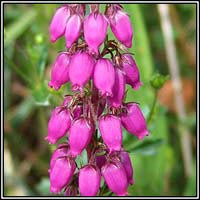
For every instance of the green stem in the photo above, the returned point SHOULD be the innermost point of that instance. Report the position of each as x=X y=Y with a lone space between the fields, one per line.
x=149 y=118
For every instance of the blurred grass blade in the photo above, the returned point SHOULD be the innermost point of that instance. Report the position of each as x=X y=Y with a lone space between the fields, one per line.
x=17 y=28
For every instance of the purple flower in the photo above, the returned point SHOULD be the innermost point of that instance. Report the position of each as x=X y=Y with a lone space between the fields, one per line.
x=80 y=135
x=118 y=89
x=61 y=174
x=95 y=30
x=115 y=178
x=60 y=71
x=89 y=180
x=126 y=162
x=104 y=76
x=58 y=125
x=111 y=131
x=131 y=71
x=80 y=69
x=134 y=121
x=58 y=23
x=73 y=30
x=121 y=27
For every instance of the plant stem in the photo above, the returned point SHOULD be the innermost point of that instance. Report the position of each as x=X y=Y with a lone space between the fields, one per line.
x=153 y=107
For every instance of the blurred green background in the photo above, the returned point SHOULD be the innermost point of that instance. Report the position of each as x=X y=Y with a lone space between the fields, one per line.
x=159 y=168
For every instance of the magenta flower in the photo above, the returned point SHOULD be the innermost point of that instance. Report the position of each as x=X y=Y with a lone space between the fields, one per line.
x=58 y=23
x=89 y=180
x=100 y=161
x=60 y=71
x=131 y=71
x=61 y=174
x=80 y=135
x=104 y=76
x=126 y=162
x=58 y=125
x=61 y=151
x=118 y=89
x=134 y=121
x=121 y=27
x=73 y=30
x=115 y=178
x=95 y=30
x=111 y=131
x=80 y=69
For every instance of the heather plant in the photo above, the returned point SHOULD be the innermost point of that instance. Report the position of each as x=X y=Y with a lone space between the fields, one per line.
x=93 y=116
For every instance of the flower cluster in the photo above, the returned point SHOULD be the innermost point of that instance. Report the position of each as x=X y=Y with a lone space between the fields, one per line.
x=93 y=116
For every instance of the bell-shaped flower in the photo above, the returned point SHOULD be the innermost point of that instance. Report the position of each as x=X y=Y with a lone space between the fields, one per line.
x=73 y=30
x=121 y=27
x=58 y=23
x=115 y=177
x=58 y=125
x=111 y=132
x=134 y=121
x=95 y=30
x=126 y=162
x=104 y=76
x=61 y=174
x=89 y=180
x=80 y=135
x=60 y=71
x=80 y=70
x=131 y=70
x=118 y=89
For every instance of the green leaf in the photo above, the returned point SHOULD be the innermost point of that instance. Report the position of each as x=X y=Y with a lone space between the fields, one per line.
x=146 y=147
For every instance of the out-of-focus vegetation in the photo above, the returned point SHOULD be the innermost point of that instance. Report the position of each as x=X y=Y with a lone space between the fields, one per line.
x=28 y=55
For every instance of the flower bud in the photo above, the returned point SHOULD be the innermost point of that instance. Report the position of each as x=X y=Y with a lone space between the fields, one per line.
x=104 y=76
x=111 y=131
x=73 y=30
x=89 y=180
x=115 y=178
x=95 y=30
x=59 y=152
x=126 y=162
x=80 y=135
x=58 y=125
x=134 y=121
x=60 y=71
x=121 y=27
x=58 y=23
x=131 y=71
x=118 y=89
x=80 y=69
x=61 y=174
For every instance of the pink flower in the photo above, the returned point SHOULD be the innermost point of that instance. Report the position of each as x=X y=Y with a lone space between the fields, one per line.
x=80 y=135
x=95 y=30
x=104 y=76
x=118 y=89
x=115 y=178
x=73 y=30
x=111 y=131
x=58 y=23
x=89 y=180
x=80 y=69
x=121 y=27
x=61 y=174
x=60 y=71
x=58 y=125
x=134 y=121
x=131 y=71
